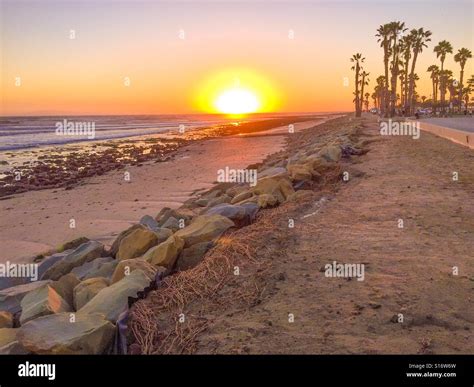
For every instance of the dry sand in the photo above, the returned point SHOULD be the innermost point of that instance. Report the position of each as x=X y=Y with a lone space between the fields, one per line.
x=34 y=222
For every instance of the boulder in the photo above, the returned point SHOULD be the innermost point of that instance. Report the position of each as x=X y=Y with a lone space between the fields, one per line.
x=8 y=281
x=94 y=268
x=6 y=319
x=241 y=215
x=116 y=244
x=13 y=348
x=167 y=213
x=241 y=196
x=231 y=211
x=301 y=172
x=7 y=336
x=202 y=202
x=266 y=200
x=235 y=190
x=331 y=153
x=193 y=255
x=149 y=222
x=10 y=299
x=65 y=287
x=136 y=243
x=57 y=335
x=41 y=302
x=113 y=300
x=219 y=200
x=84 y=253
x=204 y=228
x=279 y=187
x=163 y=234
x=171 y=223
x=87 y=290
x=51 y=260
x=165 y=253
x=126 y=266
x=272 y=172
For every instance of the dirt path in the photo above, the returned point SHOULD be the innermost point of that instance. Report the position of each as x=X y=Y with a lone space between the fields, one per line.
x=408 y=271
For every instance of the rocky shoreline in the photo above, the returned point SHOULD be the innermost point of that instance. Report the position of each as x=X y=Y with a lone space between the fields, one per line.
x=84 y=291
x=66 y=167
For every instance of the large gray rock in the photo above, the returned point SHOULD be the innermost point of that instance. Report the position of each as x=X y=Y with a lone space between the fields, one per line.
x=41 y=302
x=113 y=300
x=51 y=260
x=46 y=263
x=171 y=223
x=192 y=256
x=84 y=253
x=241 y=215
x=167 y=213
x=96 y=268
x=219 y=200
x=272 y=172
x=149 y=222
x=10 y=299
x=204 y=228
x=163 y=234
x=58 y=335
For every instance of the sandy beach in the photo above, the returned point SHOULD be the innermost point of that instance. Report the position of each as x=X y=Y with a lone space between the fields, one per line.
x=37 y=221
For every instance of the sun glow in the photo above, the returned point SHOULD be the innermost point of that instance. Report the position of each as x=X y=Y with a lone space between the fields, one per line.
x=237 y=101
x=236 y=92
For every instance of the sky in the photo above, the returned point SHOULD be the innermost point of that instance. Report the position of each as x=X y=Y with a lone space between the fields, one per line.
x=164 y=57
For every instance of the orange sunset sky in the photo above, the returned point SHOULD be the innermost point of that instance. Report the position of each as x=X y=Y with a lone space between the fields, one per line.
x=178 y=56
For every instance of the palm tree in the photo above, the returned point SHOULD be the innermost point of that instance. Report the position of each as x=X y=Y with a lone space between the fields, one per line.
x=396 y=28
x=442 y=49
x=423 y=99
x=420 y=37
x=462 y=56
x=364 y=82
x=466 y=91
x=383 y=35
x=367 y=95
x=374 y=98
x=445 y=80
x=405 y=47
x=357 y=59
x=434 y=70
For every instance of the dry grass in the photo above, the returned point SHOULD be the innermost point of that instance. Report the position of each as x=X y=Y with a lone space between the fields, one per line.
x=155 y=322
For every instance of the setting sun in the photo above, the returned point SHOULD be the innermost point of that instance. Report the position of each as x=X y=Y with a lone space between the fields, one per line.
x=236 y=91
x=237 y=101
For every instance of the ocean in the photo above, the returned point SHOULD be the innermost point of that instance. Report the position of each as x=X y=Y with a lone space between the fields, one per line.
x=29 y=132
